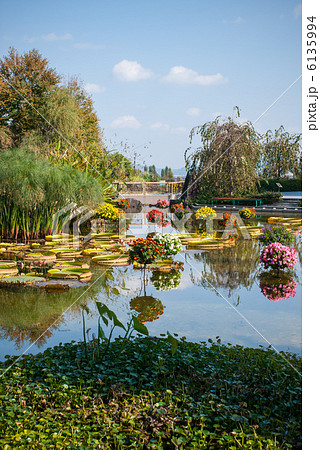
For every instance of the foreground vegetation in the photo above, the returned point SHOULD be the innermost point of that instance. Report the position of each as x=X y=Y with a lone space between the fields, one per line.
x=201 y=396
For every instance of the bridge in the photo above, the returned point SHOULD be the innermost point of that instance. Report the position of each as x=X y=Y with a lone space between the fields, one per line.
x=150 y=192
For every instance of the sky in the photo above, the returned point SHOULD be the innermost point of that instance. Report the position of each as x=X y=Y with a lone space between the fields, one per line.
x=156 y=69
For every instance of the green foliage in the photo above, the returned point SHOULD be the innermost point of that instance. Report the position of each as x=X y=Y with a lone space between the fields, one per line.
x=167 y=174
x=202 y=396
x=276 y=233
x=32 y=191
x=268 y=197
x=226 y=164
x=288 y=185
x=53 y=119
x=281 y=154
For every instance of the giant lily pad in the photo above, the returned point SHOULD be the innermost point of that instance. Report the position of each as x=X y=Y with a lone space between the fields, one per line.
x=20 y=280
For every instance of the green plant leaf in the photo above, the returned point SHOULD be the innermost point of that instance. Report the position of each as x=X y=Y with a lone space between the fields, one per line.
x=140 y=327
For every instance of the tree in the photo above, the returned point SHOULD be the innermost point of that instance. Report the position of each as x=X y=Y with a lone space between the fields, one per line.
x=25 y=81
x=227 y=162
x=281 y=154
x=40 y=112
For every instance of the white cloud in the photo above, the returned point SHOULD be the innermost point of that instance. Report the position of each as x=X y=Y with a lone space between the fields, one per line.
x=54 y=37
x=88 y=46
x=297 y=11
x=183 y=75
x=193 y=111
x=131 y=71
x=160 y=126
x=93 y=88
x=239 y=19
x=178 y=130
x=126 y=122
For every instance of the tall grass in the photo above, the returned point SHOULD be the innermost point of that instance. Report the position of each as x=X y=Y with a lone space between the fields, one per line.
x=32 y=190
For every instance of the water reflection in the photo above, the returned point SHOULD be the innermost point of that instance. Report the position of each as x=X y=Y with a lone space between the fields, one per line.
x=228 y=268
x=31 y=315
x=148 y=307
x=165 y=281
x=277 y=288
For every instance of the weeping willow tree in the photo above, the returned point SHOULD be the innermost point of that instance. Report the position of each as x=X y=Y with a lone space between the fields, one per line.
x=32 y=190
x=226 y=163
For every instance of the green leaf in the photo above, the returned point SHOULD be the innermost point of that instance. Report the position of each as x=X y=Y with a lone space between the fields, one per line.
x=173 y=341
x=140 y=327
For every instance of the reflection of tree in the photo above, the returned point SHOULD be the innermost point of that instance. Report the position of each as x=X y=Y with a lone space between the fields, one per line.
x=277 y=288
x=229 y=268
x=164 y=281
x=29 y=314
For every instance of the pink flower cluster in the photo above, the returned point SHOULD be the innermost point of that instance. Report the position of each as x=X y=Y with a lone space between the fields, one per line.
x=276 y=292
x=278 y=256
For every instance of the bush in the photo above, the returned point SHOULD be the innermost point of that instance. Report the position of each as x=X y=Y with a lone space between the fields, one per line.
x=288 y=185
x=145 y=251
x=268 y=197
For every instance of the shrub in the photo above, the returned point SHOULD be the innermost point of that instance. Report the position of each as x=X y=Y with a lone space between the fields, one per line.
x=268 y=197
x=276 y=233
x=278 y=256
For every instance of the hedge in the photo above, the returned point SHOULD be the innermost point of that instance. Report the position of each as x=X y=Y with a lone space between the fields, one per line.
x=288 y=184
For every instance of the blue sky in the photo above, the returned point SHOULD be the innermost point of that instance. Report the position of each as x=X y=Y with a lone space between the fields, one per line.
x=155 y=69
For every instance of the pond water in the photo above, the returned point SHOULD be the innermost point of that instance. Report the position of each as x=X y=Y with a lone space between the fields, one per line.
x=220 y=294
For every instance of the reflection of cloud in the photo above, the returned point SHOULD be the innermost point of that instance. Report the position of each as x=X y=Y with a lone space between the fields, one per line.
x=131 y=71
x=126 y=122
x=183 y=75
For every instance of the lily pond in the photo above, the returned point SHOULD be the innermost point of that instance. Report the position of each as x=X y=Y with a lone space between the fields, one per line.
x=220 y=293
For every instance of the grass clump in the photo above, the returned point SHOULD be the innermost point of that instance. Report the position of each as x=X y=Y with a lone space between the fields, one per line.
x=202 y=396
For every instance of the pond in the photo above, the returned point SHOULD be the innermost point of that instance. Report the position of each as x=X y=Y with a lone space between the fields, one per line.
x=219 y=294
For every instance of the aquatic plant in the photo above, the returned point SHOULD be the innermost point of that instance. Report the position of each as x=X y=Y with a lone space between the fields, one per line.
x=32 y=190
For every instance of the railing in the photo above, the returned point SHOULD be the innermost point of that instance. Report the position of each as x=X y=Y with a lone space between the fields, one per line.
x=139 y=187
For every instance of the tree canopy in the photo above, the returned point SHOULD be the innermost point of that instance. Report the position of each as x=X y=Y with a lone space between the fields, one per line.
x=53 y=118
x=281 y=154
x=226 y=163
